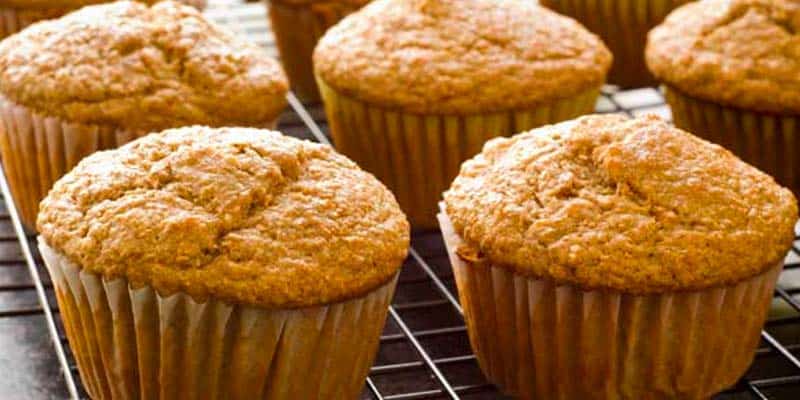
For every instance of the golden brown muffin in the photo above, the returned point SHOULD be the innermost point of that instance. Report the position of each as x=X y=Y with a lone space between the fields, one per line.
x=17 y=14
x=623 y=26
x=460 y=73
x=244 y=220
x=108 y=73
x=603 y=223
x=732 y=75
x=298 y=25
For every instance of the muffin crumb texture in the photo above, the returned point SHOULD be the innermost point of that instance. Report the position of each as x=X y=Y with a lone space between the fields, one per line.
x=141 y=67
x=457 y=57
x=740 y=53
x=607 y=202
x=242 y=215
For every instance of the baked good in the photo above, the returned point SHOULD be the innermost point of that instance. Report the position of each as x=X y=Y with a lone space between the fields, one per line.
x=298 y=25
x=219 y=263
x=105 y=74
x=622 y=251
x=623 y=25
x=731 y=73
x=17 y=14
x=414 y=87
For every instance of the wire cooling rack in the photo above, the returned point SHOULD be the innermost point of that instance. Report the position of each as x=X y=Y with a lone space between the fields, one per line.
x=424 y=352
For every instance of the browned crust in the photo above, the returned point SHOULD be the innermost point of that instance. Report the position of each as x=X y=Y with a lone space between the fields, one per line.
x=242 y=215
x=740 y=53
x=136 y=66
x=632 y=205
x=458 y=57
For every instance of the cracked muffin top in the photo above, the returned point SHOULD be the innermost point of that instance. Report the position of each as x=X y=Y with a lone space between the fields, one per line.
x=740 y=53
x=460 y=57
x=244 y=215
x=141 y=67
x=73 y=4
x=607 y=202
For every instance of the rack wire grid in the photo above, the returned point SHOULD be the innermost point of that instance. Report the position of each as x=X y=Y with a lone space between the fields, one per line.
x=424 y=352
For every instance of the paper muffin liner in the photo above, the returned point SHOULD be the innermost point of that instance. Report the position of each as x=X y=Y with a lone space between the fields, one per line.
x=767 y=141
x=297 y=29
x=133 y=343
x=539 y=340
x=623 y=26
x=13 y=20
x=418 y=156
x=37 y=150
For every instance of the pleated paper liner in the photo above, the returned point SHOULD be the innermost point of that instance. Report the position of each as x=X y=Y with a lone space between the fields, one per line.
x=418 y=156
x=623 y=26
x=37 y=150
x=767 y=141
x=297 y=29
x=13 y=20
x=133 y=343
x=539 y=340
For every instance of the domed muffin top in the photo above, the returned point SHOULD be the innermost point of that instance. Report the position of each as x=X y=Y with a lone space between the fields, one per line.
x=141 y=67
x=607 y=202
x=740 y=53
x=243 y=215
x=72 y=4
x=459 y=57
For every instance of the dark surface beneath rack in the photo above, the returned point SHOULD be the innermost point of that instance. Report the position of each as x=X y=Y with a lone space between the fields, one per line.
x=425 y=352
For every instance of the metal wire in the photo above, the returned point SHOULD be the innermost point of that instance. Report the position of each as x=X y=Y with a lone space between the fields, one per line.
x=437 y=372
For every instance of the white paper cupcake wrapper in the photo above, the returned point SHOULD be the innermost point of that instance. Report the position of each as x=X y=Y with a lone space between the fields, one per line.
x=418 y=156
x=539 y=340
x=133 y=343
x=623 y=26
x=297 y=28
x=37 y=150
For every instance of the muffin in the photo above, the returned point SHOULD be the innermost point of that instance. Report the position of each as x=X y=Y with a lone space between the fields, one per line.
x=623 y=26
x=414 y=87
x=731 y=73
x=611 y=258
x=17 y=14
x=106 y=74
x=222 y=263
x=298 y=25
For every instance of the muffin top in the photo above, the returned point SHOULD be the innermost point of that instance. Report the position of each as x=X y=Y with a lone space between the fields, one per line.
x=244 y=215
x=607 y=202
x=740 y=53
x=32 y=4
x=459 y=57
x=136 y=66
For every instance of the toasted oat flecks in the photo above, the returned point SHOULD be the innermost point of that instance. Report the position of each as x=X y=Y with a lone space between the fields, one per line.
x=244 y=215
x=627 y=204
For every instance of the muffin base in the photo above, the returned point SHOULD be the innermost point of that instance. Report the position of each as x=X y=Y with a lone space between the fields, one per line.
x=297 y=28
x=13 y=20
x=133 y=343
x=37 y=150
x=539 y=340
x=767 y=141
x=418 y=156
x=623 y=26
